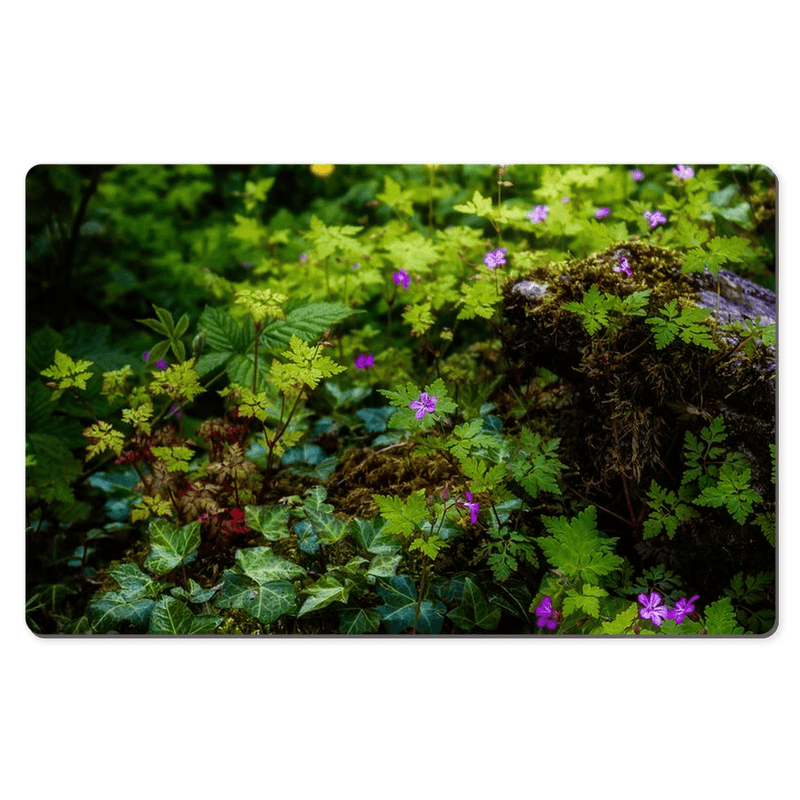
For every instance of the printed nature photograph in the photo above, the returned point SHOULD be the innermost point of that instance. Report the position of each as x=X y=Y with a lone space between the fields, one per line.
x=401 y=400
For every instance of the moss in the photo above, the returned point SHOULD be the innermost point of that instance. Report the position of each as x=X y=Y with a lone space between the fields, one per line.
x=363 y=472
x=626 y=406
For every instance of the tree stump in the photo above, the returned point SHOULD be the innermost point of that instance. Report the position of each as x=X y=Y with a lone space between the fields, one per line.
x=623 y=408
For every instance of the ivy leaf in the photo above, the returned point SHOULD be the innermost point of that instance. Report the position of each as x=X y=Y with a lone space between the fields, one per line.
x=171 y=546
x=399 y=610
x=170 y=616
x=323 y=592
x=474 y=609
x=359 y=620
x=265 y=602
x=384 y=566
x=262 y=565
x=107 y=611
x=270 y=521
x=374 y=538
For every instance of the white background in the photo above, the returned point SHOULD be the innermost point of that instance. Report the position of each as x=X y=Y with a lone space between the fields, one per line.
x=350 y=82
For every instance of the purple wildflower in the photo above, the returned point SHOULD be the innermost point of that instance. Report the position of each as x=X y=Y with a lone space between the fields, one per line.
x=425 y=405
x=652 y=610
x=473 y=508
x=565 y=199
x=602 y=212
x=683 y=172
x=654 y=218
x=495 y=258
x=538 y=214
x=356 y=265
x=546 y=615
x=175 y=411
x=682 y=608
x=365 y=361
x=162 y=364
x=304 y=257
x=637 y=175
x=401 y=278
x=624 y=266
x=246 y=264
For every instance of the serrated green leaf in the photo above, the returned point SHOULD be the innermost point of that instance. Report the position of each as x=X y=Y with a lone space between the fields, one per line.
x=402 y=517
x=720 y=618
x=308 y=322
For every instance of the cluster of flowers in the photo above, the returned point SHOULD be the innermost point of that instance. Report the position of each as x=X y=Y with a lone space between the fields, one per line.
x=656 y=612
x=365 y=361
x=548 y=617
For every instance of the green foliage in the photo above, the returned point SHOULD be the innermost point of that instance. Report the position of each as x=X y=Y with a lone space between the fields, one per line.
x=402 y=517
x=720 y=618
x=690 y=325
x=535 y=464
x=171 y=546
x=104 y=438
x=67 y=373
x=171 y=331
x=474 y=610
x=505 y=550
x=305 y=367
x=702 y=456
x=720 y=250
x=599 y=310
x=667 y=510
x=731 y=490
x=400 y=609
x=263 y=458
x=576 y=548
x=404 y=418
